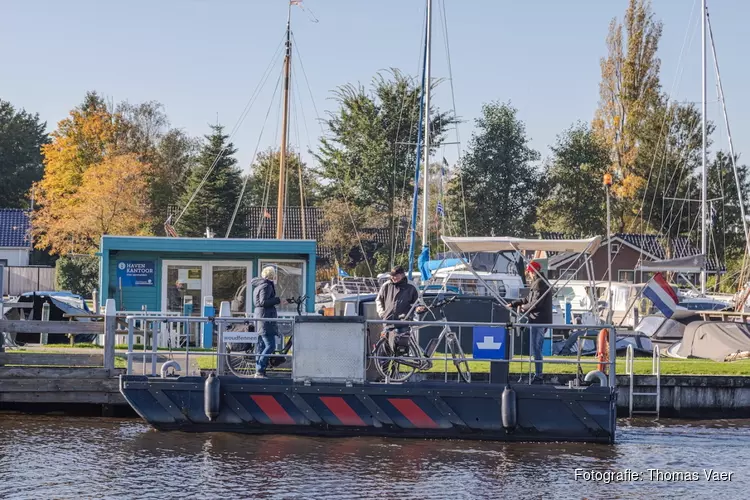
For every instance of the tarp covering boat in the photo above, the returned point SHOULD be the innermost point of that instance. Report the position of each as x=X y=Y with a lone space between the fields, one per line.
x=719 y=341
x=672 y=329
x=61 y=304
x=690 y=264
x=509 y=244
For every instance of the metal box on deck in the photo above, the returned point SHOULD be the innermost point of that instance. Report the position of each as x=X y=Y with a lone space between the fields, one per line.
x=329 y=349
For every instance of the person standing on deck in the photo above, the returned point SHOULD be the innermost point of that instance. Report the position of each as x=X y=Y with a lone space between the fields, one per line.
x=396 y=297
x=538 y=309
x=265 y=299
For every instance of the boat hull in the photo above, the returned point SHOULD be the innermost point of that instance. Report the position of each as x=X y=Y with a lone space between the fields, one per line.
x=418 y=410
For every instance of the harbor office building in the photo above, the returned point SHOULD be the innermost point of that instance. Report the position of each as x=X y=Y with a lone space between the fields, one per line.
x=185 y=275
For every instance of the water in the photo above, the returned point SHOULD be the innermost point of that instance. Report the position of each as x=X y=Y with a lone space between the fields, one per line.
x=76 y=458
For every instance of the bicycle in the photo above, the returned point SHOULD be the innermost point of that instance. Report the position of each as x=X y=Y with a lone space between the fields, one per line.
x=242 y=363
x=398 y=355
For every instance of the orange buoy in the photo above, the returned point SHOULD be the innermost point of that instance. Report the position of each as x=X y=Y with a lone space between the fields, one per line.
x=602 y=350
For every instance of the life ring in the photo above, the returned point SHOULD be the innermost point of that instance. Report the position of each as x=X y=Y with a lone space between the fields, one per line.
x=602 y=350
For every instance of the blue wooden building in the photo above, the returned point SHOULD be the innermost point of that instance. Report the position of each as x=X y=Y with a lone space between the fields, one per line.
x=164 y=274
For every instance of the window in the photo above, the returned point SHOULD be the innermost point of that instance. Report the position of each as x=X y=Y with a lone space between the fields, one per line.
x=626 y=276
x=615 y=248
x=290 y=281
x=4 y=262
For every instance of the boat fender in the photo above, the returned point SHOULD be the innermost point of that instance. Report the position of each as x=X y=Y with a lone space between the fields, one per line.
x=212 y=396
x=508 y=408
x=602 y=350
x=598 y=375
x=169 y=364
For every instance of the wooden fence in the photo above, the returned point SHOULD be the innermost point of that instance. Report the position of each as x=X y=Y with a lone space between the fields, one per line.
x=106 y=327
x=23 y=279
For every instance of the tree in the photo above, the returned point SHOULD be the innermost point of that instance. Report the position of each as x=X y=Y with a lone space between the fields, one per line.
x=344 y=228
x=727 y=236
x=629 y=92
x=575 y=201
x=369 y=155
x=263 y=185
x=112 y=199
x=670 y=155
x=499 y=180
x=84 y=139
x=212 y=190
x=21 y=137
x=147 y=133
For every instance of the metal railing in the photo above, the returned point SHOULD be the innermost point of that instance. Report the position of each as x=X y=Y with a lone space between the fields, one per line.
x=513 y=330
x=655 y=371
x=152 y=325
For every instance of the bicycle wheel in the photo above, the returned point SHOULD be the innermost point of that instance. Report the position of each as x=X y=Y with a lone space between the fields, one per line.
x=391 y=369
x=459 y=359
x=241 y=359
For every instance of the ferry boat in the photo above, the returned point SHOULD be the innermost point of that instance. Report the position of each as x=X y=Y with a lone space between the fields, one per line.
x=331 y=392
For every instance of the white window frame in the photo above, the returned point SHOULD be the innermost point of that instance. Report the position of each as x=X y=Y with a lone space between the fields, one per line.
x=619 y=276
x=265 y=262
x=206 y=277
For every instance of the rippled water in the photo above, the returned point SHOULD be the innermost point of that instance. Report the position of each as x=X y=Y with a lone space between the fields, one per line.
x=64 y=457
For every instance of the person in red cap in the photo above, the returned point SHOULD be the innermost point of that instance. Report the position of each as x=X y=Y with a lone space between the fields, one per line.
x=537 y=306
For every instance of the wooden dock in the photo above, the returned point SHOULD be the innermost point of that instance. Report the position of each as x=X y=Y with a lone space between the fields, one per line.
x=35 y=379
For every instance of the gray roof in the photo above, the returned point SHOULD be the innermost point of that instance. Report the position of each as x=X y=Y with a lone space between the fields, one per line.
x=14 y=228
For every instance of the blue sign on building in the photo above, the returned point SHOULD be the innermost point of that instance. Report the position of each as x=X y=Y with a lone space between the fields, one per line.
x=136 y=273
x=489 y=342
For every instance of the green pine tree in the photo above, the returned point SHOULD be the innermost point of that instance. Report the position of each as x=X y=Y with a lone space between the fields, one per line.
x=214 y=202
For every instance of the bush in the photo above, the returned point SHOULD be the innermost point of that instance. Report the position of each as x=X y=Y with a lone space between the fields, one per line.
x=78 y=274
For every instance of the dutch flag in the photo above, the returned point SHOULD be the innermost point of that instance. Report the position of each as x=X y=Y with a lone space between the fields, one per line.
x=439 y=209
x=662 y=295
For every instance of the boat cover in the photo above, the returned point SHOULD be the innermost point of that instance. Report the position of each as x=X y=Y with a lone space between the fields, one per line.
x=716 y=340
x=509 y=244
x=690 y=264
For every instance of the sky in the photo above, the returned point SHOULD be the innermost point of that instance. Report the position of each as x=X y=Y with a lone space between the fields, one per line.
x=203 y=59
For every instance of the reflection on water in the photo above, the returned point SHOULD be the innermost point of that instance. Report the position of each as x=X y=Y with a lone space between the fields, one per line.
x=61 y=457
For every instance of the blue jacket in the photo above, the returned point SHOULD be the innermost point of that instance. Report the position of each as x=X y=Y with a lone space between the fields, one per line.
x=265 y=300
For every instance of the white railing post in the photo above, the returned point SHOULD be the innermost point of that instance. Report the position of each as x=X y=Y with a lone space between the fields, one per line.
x=110 y=325
x=225 y=311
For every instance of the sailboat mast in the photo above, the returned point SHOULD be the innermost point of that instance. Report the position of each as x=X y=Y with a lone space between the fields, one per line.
x=426 y=83
x=281 y=200
x=704 y=186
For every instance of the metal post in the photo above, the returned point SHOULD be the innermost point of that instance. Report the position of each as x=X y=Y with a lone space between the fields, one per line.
x=131 y=323
x=704 y=183
x=43 y=337
x=426 y=83
x=154 y=345
x=110 y=324
x=610 y=309
x=225 y=311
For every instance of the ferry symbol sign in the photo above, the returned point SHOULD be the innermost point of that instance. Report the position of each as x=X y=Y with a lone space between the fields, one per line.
x=489 y=342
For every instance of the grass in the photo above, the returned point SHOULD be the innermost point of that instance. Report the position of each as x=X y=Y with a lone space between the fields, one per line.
x=642 y=366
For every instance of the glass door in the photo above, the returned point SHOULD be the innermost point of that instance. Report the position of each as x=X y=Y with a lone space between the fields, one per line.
x=290 y=282
x=184 y=286
x=229 y=282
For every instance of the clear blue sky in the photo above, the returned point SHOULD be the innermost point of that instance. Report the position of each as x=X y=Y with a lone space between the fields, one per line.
x=203 y=57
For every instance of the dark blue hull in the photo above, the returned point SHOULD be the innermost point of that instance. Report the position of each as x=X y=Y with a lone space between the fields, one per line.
x=414 y=410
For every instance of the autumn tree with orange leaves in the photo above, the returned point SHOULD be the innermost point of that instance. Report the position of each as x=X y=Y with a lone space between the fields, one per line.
x=91 y=184
x=629 y=94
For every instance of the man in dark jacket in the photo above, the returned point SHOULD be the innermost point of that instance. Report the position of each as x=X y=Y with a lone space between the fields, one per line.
x=538 y=309
x=265 y=300
x=396 y=297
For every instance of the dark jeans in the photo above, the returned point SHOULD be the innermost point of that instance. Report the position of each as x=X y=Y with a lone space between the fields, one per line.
x=266 y=346
x=537 y=341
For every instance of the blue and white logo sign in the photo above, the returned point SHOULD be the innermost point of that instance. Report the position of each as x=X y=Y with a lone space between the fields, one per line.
x=489 y=342
x=136 y=273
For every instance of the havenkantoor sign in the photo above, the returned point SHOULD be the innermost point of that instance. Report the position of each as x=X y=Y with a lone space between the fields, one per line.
x=136 y=272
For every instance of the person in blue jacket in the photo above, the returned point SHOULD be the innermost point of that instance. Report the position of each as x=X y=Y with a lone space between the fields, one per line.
x=265 y=300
